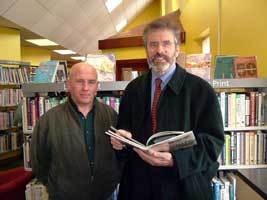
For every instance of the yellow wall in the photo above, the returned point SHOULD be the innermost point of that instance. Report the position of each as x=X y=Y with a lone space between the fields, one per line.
x=149 y=14
x=244 y=30
x=9 y=44
x=34 y=55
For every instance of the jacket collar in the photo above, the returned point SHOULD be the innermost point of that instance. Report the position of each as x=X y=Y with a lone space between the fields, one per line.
x=177 y=80
x=175 y=84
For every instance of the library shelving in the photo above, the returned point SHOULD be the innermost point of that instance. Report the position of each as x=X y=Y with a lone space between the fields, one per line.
x=42 y=94
x=12 y=75
x=246 y=135
x=30 y=90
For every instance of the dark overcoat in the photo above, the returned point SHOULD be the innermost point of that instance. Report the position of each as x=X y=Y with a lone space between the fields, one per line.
x=186 y=103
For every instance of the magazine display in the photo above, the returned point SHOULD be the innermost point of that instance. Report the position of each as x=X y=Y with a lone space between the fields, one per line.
x=165 y=141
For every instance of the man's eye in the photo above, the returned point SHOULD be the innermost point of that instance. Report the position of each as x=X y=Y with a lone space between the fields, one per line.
x=91 y=82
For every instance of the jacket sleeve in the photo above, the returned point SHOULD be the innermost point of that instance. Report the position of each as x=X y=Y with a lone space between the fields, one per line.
x=207 y=126
x=40 y=150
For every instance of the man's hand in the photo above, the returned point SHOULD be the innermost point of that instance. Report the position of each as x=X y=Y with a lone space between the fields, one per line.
x=154 y=158
x=116 y=144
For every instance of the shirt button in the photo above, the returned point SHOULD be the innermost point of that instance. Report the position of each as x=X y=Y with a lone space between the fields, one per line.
x=89 y=147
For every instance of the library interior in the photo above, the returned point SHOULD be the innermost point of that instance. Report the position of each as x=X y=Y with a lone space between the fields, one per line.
x=222 y=42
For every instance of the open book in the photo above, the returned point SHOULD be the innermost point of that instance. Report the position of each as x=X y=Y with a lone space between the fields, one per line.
x=162 y=141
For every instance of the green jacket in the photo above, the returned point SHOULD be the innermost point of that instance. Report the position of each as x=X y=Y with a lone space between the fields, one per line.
x=59 y=156
x=187 y=103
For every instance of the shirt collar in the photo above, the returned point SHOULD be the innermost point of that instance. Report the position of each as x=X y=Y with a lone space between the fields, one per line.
x=73 y=104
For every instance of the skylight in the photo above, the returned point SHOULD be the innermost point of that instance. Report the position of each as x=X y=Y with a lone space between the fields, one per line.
x=121 y=25
x=112 y=4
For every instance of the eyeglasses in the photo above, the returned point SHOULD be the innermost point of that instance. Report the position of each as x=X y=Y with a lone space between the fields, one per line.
x=164 y=44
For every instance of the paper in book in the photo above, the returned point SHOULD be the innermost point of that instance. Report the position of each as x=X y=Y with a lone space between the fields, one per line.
x=165 y=141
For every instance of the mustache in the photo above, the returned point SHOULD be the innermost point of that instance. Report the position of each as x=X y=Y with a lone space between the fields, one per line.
x=160 y=56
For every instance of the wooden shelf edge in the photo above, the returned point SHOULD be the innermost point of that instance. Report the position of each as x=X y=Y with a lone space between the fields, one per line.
x=10 y=154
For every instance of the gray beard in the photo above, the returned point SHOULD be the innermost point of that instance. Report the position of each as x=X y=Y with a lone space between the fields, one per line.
x=161 y=69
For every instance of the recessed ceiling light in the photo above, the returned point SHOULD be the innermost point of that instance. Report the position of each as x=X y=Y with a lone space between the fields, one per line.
x=112 y=4
x=42 y=42
x=64 y=52
x=78 y=58
x=121 y=25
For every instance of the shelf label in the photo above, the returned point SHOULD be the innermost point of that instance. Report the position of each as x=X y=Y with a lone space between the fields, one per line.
x=220 y=83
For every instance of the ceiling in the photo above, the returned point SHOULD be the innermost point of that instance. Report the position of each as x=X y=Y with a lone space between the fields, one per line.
x=76 y=25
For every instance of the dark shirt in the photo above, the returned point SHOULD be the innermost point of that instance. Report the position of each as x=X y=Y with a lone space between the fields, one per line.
x=89 y=135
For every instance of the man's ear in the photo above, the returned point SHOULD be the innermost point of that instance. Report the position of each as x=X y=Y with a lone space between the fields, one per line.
x=67 y=85
x=177 y=51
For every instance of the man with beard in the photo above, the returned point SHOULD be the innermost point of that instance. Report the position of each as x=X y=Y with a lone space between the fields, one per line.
x=167 y=98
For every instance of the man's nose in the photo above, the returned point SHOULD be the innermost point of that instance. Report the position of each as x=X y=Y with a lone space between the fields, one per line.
x=160 y=48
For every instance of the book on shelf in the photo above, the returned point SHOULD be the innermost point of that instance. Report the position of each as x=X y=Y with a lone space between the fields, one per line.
x=162 y=141
x=46 y=72
x=245 y=67
x=62 y=72
x=105 y=65
x=198 y=64
x=224 y=67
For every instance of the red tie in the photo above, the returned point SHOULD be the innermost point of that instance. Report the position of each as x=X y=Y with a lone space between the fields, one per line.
x=155 y=104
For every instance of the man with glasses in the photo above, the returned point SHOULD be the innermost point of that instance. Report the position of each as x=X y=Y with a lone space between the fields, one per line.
x=70 y=152
x=167 y=98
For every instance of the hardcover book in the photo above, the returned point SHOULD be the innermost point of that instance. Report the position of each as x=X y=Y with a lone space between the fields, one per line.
x=105 y=65
x=46 y=72
x=224 y=67
x=245 y=67
x=165 y=141
x=198 y=64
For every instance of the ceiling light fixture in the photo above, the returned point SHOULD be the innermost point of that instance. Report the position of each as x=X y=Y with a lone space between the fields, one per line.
x=42 y=42
x=78 y=58
x=64 y=52
x=112 y=4
x=121 y=25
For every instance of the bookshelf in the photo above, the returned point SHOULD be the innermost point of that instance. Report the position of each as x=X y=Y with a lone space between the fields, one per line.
x=12 y=75
x=31 y=89
x=244 y=86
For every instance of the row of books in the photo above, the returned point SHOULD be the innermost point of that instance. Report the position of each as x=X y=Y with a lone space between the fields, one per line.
x=50 y=72
x=10 y=141
x=35 y=190
x=10 y=97
x=230 y=66
x=34 y=107
x=242 y=109
x=7 y=119
x=224 y=187
x=10 y=75
x=226 y=66
x=114 y=102
x=244 y=148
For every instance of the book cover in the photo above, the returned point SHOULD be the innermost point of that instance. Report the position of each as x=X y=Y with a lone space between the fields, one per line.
x=105 y=65
x=46 y=72
x=62 y=72
x=198 y=64
x=245 y=67
x=224 y=67
x=165 y=141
